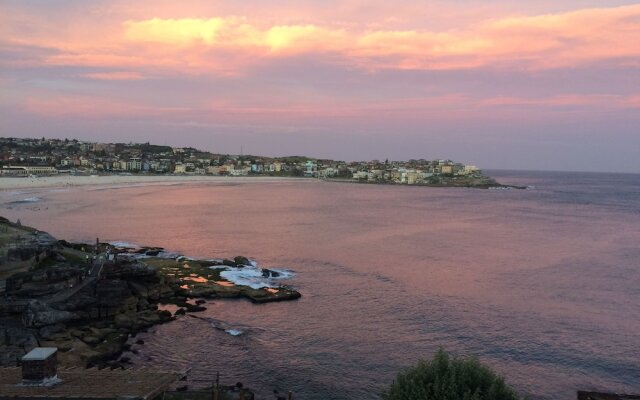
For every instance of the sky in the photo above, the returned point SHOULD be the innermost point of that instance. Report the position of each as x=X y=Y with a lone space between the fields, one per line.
x=518 y=84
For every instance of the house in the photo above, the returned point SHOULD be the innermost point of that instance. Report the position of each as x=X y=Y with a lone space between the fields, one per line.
x=446 y=169
x=180 y=168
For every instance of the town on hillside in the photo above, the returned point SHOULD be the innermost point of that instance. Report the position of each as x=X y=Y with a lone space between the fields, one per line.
x=41 y=157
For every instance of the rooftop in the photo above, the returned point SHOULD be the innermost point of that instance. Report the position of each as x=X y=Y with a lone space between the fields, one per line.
x=39 y=353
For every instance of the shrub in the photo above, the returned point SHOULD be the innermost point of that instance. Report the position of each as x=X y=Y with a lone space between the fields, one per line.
x=446 y=378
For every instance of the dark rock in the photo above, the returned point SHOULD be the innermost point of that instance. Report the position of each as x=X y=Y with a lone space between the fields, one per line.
x=18 y=337
x=91 y=340
x=229 y=263
x=200 y=301
x=195 y=308
x=180 y=311
x=48 y=331
x=140 y=341
x=165 y=316
x=39 y=314
x=268 y=273
x=240 y=260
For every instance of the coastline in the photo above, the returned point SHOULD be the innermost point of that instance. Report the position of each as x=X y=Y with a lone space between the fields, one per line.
x=10 y=183
x=61 y=181
x=90 y=300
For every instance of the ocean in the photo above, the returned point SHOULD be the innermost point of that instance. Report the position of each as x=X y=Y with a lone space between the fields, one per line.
x=542 y=284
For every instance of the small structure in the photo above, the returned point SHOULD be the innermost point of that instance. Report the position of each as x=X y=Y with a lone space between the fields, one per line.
x=39 y=378
x=39 y=367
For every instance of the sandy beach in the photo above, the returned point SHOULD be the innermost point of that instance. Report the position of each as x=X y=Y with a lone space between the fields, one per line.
x=75 y=180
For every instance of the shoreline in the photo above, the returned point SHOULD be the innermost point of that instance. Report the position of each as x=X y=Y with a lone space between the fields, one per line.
x=11 y=183
x=90 y=300
x=62 y=181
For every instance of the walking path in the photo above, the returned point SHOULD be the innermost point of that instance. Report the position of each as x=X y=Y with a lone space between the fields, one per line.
x=94 y=274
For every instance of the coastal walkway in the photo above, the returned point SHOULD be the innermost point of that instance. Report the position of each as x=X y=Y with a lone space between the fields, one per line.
x=94 y=274
x=9 y=305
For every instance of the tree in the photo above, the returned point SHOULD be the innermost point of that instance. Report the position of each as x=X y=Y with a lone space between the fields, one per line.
x=446 y=378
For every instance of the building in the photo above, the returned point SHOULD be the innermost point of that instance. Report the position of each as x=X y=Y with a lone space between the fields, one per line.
x=180 y=169
x=310 y=169
x=134 y=164
x=9 y=170
x=446 y=169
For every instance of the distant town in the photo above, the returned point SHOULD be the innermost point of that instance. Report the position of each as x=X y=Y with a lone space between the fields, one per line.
x=23 y=157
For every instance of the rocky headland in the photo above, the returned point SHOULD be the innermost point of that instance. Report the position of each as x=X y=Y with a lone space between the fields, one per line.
x=90 y=300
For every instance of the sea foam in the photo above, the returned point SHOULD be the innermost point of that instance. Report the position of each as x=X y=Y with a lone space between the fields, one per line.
x=252 y=276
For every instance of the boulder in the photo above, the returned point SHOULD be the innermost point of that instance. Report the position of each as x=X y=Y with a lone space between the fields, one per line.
x=18 y=337
x=268 y=273
x=165 y=316
x=195 y=308
x=49 y=331
x=241 y=260
x=38 y=314
x=91 y=340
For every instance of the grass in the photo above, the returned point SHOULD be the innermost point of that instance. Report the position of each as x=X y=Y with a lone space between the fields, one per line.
x=186 y=269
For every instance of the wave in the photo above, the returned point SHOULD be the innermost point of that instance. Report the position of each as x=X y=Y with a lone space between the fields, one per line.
x=27 y=200
x=125 y=245
x=256 y=277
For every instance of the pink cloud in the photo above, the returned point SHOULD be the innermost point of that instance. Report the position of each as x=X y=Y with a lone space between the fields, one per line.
x=116 y=76
x=565 y=100
x=80 y=106
x=230 y=44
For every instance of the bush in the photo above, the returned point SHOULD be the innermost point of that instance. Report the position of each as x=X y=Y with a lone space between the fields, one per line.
x=445 y=378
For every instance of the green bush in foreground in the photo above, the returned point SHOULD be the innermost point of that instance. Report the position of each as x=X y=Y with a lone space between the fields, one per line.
x=445 y=378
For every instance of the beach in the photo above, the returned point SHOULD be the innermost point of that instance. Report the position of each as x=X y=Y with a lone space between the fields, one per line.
x=87 y=180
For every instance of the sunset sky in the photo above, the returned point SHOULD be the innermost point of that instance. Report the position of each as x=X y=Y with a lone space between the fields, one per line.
x=528 y=84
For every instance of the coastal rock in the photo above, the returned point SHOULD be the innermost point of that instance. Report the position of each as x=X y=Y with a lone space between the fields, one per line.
x=268 y=273
x=49 y=331
x=195 y=308
x=101 y=333
x=165 y=316
x=17 y=337
x=129 y=271
x=229 y=263
x=80 y=301
x=153 y=251
x=38 y=314
x=91 y=340
x=241 y=260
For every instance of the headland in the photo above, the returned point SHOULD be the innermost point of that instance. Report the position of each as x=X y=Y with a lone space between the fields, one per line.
x=89 y=300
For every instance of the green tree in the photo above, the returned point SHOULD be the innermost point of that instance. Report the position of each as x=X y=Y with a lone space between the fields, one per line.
x=446 y=378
